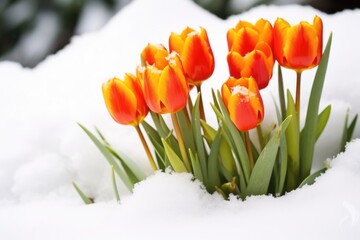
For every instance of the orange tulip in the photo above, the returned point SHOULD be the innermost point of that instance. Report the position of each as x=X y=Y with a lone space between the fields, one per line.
x=195 y=52
x=166 y=90
x=155 y=55
x=244 y=102
x=245 y=36
x=250 y=51
x=298 y=47
x=124 y=100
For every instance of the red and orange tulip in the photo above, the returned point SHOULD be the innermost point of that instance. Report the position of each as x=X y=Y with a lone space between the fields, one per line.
x=195 y=52
x=298 y=47
x=166 y=90
x=124 y=100
x=155 y=55
x=243 y=101
x=250 y=51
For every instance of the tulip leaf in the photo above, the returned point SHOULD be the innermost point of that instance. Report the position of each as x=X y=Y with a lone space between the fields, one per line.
x=113 y=179
x=237 y=140
x=196 y=166
x=261 y=173
x=323 y=118
x=173 y=158
x=292 y=138
x=213 y=167
x=282 y=162
x=347 y=131
x=109 y=157
x=85 y=198
x=308 y=135
x=281 y=93
x=164 y=131
x=185 y=128
x=132 y=171
x=226 y=159
x=156 y=142
x=309 y=180
x=199 y=141
x=351 y=128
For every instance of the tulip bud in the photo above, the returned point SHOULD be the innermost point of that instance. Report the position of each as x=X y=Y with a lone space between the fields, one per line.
x=124 y=100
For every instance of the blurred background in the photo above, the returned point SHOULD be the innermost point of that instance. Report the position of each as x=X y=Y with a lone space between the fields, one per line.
x=32 y=29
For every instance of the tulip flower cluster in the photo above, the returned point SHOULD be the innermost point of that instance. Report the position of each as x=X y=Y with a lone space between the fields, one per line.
x=224 y=158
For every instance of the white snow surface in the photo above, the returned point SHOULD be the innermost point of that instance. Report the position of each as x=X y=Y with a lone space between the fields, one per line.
x=42 y=149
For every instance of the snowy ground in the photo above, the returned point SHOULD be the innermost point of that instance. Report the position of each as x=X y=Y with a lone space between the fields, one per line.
x=42 y=149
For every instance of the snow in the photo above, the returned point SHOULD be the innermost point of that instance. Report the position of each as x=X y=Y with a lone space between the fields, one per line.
x=42 y=149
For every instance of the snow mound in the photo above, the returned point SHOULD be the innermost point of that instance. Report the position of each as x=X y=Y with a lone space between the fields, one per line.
x=42 y=149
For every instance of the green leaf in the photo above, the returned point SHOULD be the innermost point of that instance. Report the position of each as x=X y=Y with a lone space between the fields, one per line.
x=351 y=128
x=134 y=173
x=282 y=163
x=156 y=142
x=347 y=131
x=113 y=179
x=311 y=178
x=185 y=128
x=196 y=166
x=164 y=131
x=236 y=140
x=85 y=198
x=174 y=159
x=199 y=141
x=213 y=167
x=281 y=93
x=261 y=174
x=323 y=118
x=293 y=145
x=108 y=156
x=308 y=136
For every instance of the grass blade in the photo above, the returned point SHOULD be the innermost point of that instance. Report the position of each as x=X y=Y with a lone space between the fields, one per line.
x=85 y=198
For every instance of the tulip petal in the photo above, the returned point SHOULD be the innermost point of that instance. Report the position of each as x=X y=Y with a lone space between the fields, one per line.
x=151 y=82
x=197 y=58
x=245 y=40
x=176 y=43
x=120 y=101
x=281 y=28
x=172 y=89
x=301 y=46
x=235 y=64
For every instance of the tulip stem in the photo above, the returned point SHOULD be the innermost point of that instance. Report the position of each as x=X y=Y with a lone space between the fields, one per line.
x=298 y=90
x=146 y=147
x=181 y=141
x=201 y=105
x=248 y=149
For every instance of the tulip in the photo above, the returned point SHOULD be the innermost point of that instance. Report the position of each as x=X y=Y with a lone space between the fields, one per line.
x=298 y=47
x=245 y=36
x=243 y=101
x=124 y=100
x=166 y=90
x=195 y=52
x=155 y=55
x=258 y=63
x=250 y=51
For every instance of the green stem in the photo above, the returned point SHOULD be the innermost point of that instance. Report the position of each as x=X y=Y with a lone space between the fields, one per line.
x=146 y=147
x=298 y=90
x=181 y=141
x=201 y=105
x=248 y=149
